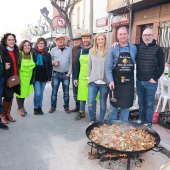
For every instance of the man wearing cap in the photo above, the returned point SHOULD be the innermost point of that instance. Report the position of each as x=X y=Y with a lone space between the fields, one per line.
x=62 y=68
x=77 y=45
x=80 y=73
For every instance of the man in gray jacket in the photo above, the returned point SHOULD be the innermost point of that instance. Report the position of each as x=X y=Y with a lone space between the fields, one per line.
x=62 y=68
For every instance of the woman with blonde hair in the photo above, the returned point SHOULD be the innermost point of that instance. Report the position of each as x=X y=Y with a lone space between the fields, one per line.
x=97 y=76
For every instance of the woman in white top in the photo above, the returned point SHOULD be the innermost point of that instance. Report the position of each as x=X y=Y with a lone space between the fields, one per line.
x=97 y=76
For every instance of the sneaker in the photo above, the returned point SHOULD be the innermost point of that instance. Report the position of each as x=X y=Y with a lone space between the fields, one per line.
x=147 y=125
x=140 y=121
x=67 y=110
x=21 y=112
x=40 y=112
x=91 y=122
x=3 y=126
x=80 y=115
x=51 y=110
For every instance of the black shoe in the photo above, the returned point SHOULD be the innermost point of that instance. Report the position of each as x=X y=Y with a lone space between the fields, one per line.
x=36 y=111
x=3 y=126
x=40 y=112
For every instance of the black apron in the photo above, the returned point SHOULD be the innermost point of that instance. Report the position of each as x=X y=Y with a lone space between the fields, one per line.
x=123 y=74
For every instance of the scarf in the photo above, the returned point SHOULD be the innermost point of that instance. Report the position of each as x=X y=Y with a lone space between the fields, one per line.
x=40 y=51
x=9 y=48
x=39 y=61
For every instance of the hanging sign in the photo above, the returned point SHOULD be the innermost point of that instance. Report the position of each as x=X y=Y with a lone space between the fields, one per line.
x=121 y=20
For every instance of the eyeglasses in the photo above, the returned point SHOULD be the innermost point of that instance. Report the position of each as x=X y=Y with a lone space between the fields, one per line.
x=10 y=40
x=41 y=43
x=147 y=35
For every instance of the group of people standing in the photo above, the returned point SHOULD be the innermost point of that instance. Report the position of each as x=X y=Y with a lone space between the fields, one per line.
x=150 y=63
x=96 y=71
x=99 y=71
x=34 y=69
x=90 y=76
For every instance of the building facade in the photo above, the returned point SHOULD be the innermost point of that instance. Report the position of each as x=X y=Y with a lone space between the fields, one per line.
x=142 y=14
x=77 y=17
x=100 y=16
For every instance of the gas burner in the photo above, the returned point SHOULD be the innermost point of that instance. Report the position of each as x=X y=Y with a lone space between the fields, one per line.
x=110 y=160
x=119 y=162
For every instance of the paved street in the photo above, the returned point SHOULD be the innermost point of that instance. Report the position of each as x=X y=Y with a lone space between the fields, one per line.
x=54 y=141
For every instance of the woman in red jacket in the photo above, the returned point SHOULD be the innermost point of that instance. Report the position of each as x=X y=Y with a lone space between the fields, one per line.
x=10 y=55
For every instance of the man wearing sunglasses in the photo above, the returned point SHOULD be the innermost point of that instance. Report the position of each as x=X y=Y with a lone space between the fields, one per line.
x=150 y=63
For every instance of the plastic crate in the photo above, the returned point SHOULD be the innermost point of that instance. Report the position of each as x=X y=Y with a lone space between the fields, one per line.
x=163 y=116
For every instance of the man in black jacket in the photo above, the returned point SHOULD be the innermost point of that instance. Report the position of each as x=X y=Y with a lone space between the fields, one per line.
x=150 y=64
x=77 y=46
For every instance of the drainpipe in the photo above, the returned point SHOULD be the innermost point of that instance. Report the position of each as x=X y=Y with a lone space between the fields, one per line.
x=108 y=28
x=91 y=17
x=130 y=25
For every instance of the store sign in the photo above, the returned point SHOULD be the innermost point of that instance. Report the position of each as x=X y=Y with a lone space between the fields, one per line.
x=101 y=22
x=61 y=22
x=121 y=20
x=61 y=30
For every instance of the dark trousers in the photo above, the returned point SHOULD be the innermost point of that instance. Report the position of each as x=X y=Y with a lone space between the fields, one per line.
x=75 y=89
x=1 y=91
x=20 y=102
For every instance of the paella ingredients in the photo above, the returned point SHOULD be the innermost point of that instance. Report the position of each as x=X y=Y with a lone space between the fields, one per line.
x=122 y=137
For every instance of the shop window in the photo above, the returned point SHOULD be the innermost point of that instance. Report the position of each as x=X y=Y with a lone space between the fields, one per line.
x=164 y=31
x=78 y=18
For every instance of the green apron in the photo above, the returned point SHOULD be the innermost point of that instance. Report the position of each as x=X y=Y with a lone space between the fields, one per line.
x=82 y=81
x=25 y=74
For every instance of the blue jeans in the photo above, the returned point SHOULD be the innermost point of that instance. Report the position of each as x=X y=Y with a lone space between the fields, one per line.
x=124 y=113
x=82 y=106
x=1 y=91
x=93 y=90
x=75 y=89
x=56 y=79
x=146 y=100
x=38 y=93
